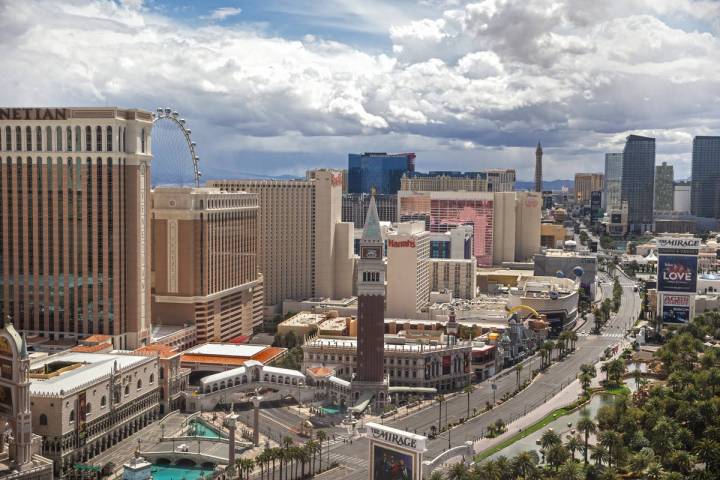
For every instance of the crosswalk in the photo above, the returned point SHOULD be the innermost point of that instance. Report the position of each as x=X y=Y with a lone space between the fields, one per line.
x=348 y=460
x=613 y=335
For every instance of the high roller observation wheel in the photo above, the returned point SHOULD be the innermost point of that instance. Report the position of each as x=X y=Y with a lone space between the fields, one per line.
x=168 y=114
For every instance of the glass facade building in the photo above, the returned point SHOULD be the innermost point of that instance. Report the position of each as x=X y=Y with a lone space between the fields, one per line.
x=613 y=180
x=705 y=189
x=381 y=171
x=664 y=187
x=638 y=180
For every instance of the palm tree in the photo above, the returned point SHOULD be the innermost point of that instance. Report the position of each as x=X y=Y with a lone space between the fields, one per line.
x=468 y=390
x=525 y=465
x=549 y=438
x=261 y=460
x=556 y=455
x=436 y=475
x=518 y=371
x=548 y=346
x=322 y=436
x=611 y=440
x=312 y=447
x=273 y=456
x=459 y=471
x=589 y=369
x=440 y=399
x=599 y=454
x=585 y=381
x=573 y=444
x=587 y=426
x=304 y=457
x=707 y=451
x=573 y=337
x=654 y=471
x=570 y=470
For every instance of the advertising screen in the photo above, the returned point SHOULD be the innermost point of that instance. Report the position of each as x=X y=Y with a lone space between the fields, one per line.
x=677 y=273
x=676 y=309
x=390 y=464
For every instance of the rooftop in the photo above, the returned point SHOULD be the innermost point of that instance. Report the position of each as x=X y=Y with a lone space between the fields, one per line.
x=227 y=349
x=305 y=318
x=163 y=351
x=93 y=367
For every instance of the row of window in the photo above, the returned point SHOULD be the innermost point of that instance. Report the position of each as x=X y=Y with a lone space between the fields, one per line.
x=35 y=139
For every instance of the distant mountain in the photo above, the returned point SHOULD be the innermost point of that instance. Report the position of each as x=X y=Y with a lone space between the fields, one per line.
x=257 y=176
x=547 y=185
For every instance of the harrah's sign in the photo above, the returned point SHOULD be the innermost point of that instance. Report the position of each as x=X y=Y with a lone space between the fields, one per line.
x=401 y=243
x=33 y=114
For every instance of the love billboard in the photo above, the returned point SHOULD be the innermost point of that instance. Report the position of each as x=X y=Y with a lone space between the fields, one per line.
x=677 y=273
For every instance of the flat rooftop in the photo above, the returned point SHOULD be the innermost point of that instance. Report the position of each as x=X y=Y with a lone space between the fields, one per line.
x=231 y=354
x=304 y=318
x=93 y=367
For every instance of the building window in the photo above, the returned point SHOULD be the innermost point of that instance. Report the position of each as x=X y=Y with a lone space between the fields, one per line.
x=68 y=133
x=48 y=139
x=127 y=389
x=109 y=139
x=43 y=419
x=18 y=138
x=72 y=416
x=103 y=401
x=88 y=407
x=142 y=140
x=78 y=141
x=38 y=139
x=8 y=139
x=58 y=139
x=28 y=139
x=152 y=378
x=162 y=373
x=98 y=138
x=88 y=139
x=139 y=384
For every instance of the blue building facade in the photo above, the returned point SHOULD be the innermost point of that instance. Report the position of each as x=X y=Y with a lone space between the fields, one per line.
x=381 y=171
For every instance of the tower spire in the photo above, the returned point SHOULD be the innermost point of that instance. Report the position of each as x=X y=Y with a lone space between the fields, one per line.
x=538 y=167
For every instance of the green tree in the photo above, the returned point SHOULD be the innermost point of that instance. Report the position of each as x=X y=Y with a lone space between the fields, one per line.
x=587 y=427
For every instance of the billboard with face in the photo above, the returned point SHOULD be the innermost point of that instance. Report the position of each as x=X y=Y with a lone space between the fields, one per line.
x=391 y=464
x=677 y=273
x=676 y=309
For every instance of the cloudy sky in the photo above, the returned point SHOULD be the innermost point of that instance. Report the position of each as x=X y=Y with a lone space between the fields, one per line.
x=277 y=86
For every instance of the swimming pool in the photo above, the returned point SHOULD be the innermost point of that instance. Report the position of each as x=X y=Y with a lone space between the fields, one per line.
x=201 y=429
x=332 y=409
x=173 y=472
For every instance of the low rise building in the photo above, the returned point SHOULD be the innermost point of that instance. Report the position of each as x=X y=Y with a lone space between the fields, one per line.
x=554 y=298
x=553 y=235
x=216 y=357
x=574 y=265
x=458 y=276
x=173 y=378
x=84 y=403
x=445 y=366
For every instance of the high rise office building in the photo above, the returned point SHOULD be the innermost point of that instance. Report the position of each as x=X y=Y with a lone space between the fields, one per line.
x=664 y=187
x=304 y=249
x=638 y=179
x=205 y=270
x=538 y=168
x=705 y=188
x=585 y=184
x=613 y=181
x=75 y=231
x=380 y=172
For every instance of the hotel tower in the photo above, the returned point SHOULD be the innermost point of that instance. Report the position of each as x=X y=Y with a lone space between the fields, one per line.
x=74 y=231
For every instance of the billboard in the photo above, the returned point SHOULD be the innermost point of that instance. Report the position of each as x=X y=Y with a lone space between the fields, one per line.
x=676 y=309
x=677 y=273
x=391 y=464
x=394 y=454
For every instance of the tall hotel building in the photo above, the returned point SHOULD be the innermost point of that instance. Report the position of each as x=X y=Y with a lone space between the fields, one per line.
x=205 y=270
x=705 y=190
x=613 y=181
x=638 y=180
x=74 y=235
x=506 y=225
x=304 y=249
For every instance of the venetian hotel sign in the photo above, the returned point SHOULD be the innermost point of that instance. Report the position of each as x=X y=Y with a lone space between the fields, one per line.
x=33 y=113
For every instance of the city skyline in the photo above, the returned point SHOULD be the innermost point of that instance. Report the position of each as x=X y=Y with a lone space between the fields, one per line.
x=271 y=89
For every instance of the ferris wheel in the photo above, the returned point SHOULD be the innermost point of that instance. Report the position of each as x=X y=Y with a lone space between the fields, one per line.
x=175 y=161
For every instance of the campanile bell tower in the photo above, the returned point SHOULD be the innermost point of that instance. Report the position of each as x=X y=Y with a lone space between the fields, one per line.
x=369 y=381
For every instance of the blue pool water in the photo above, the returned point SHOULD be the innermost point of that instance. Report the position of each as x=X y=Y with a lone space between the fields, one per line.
x=200 y=429
x=332 y=409
x=172 y=472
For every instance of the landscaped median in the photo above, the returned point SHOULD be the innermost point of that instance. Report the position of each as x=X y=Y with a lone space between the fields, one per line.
x=548 y=419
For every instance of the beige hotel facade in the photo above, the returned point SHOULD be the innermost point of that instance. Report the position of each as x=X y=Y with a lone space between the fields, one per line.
x=74 y=231
x=305 y=250
x=205 y=269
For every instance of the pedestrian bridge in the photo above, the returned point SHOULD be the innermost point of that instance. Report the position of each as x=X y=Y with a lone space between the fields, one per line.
x=234 y=385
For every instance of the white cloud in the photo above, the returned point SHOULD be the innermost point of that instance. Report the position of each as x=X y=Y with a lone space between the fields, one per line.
x=223 y=13
x=484 y=80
